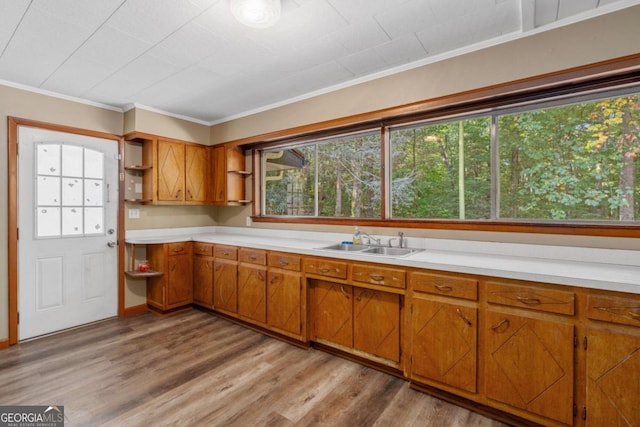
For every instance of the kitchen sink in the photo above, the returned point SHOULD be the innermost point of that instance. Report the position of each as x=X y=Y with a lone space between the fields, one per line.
x=384 y=250
x=346 y=247
x=372 y=250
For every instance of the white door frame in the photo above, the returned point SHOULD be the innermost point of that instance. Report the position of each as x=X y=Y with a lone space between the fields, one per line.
x=13 y=234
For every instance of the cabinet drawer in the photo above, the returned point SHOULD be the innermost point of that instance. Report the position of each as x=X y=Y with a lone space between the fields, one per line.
x=378 y=275
x=204 y=249
x=252 y=256
x=182 y=248
x=442 y=284
x=625 y=311
x=225 y=252
x=327 y=268
x=531 y=297
x=284 y=261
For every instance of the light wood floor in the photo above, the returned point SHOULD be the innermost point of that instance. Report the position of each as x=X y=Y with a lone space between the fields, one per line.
x=192 y=368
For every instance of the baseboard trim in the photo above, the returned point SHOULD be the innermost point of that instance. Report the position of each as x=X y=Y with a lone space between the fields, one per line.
x=4 y=344
x=136 y=309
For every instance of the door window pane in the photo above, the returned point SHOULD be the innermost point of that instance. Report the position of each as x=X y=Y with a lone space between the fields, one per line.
x=48 y=220
x=72 y=221
x=72 y=162
x=93 y=193
x=69 y=205
x=93 y=220
x=93 y=164
x=72 y=192
x=48 y=159
x=48 y=191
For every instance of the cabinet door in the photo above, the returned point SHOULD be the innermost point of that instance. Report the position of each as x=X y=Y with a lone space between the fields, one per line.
x=332 y=312
x=376 y=323
x=530 y=364
x=218 y=175
x=170 y=171
x=225 y=285
x=203 y=280
x=252 y=292
x=180 y=285
x=284 y=299
x=613 y=378
x=444 y=340
x=196 y=173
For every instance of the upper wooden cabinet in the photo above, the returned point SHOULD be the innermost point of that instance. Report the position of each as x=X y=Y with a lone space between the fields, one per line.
x=160 y=170
x=228 y=172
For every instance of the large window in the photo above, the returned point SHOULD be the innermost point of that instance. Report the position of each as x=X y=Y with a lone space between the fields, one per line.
x=335 y=177
x=561 y=160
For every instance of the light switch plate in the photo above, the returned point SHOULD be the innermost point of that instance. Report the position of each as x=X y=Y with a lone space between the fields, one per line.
x=134 y=213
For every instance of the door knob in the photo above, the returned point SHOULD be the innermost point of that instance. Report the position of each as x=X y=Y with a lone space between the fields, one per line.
x=111 y=231
x=112 y=244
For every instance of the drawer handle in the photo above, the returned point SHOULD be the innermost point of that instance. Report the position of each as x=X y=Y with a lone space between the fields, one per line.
x=218 y=267
x=274 y=279
x=634 y=315
x=179 y=249
x=283 y=262
x=225 y=253
x=501 y=323
x=260 y=275
x=529 y=300
x=444 y=288
x=324 y=269
x=377 y=277
x=252 y=257
x=463 y=317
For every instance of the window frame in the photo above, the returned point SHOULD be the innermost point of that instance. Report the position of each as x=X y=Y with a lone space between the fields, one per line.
x=613 y=75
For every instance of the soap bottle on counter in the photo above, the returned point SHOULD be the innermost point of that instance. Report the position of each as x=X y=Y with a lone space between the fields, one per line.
x=357 y=238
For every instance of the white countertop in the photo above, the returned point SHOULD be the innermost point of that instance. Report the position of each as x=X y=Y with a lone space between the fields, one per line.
x=609 y=269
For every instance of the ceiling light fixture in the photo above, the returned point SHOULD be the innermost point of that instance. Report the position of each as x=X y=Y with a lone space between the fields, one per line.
x=256 y=13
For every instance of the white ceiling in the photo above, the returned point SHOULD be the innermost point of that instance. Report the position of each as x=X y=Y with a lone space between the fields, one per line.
x=190 y=58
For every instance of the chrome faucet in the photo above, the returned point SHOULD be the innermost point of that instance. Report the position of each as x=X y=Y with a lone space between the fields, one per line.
x=400 y=238
x=370 y=238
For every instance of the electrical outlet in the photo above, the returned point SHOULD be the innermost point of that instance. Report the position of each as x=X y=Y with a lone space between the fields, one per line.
x=248 y=221
x=134 y=213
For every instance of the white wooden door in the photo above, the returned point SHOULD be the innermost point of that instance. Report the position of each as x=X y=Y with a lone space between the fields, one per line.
x=67 y=220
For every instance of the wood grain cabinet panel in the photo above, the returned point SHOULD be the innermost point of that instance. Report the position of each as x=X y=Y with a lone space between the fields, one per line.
x=324 y=267
x=530 y=364
x=196 y=172
x=444 y=337
x=252 y=292
x=170 y=174
x=174 y=288
x=376 y=323
x=225 y=285
x=445 y=285
x=613 y=378
x=531 y=297
x=377 y=275
x=332 y=312
x=284 y=302
x=203 y=281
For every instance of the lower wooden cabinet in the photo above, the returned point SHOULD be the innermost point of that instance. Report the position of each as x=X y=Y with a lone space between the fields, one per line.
x=203 y=274
x=252 y=286
x=364 y=320
x=174 y=288
x=612 y=347
x=284 y=302
x=530 y=364
x=444 y=343
x=225 y=285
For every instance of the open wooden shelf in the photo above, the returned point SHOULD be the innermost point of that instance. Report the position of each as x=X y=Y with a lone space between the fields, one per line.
x=135 y=274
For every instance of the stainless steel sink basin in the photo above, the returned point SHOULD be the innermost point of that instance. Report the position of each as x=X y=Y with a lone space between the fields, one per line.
x=372 y=250
x=383 y=250
x=347 y=248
